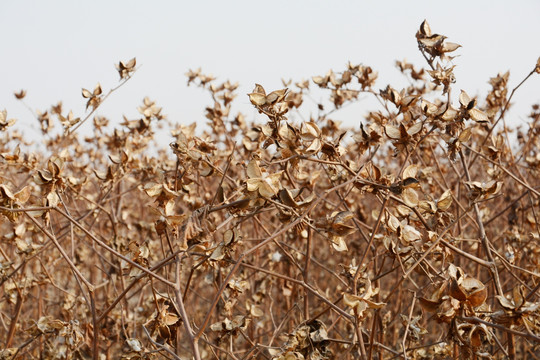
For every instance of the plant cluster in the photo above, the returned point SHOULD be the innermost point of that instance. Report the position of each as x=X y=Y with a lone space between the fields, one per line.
x=277 y=239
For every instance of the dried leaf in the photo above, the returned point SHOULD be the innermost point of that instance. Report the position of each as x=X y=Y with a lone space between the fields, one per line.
x=257 y=99
x=478 y=116
x=445 y=201
x=410 y=197
x=392 y=132
x=253 y=170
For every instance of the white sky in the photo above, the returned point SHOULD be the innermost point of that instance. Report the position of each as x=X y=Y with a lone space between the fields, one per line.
x=54 y=48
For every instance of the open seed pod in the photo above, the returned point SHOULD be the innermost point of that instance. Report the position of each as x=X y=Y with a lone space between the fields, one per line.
x=469 y=289
x=466 y=288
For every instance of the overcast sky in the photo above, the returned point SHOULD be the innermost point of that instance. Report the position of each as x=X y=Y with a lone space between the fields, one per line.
x=54 y=48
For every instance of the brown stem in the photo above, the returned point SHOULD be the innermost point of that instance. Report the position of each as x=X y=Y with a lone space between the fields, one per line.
x=306 y=271
x=183 y=314
x=95 y=340
x=482 y=233
x=14 y=319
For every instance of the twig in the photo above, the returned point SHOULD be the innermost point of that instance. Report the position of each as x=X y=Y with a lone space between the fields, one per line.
x=502 y=113
x=407 y=327
x=483 y=236
x=183 y=314
x=116 y=253
x=62 y=252
x=475 y=320
x=160 y=346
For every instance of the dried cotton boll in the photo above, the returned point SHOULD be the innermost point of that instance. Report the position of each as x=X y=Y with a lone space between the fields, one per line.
x=276 y=256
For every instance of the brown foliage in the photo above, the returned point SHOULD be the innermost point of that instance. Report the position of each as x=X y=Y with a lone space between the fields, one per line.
x=275 y=239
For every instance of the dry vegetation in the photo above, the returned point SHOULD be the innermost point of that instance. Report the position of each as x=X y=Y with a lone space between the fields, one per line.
x=274 y=239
